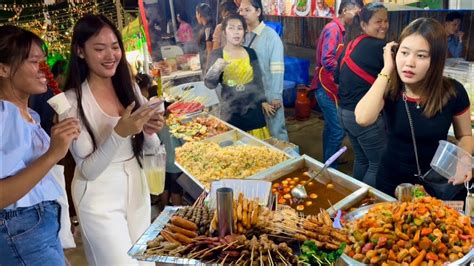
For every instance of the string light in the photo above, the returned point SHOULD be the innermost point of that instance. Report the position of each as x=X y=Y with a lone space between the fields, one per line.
x=57 y=29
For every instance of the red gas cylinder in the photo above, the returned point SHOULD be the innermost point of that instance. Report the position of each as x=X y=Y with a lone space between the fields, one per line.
x=302 y=104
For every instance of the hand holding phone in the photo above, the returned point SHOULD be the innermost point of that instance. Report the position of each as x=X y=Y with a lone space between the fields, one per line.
x=157 y=103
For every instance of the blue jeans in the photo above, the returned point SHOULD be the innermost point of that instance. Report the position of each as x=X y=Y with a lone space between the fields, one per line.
x=368 y=144
x=333 y=134
x=29 y=236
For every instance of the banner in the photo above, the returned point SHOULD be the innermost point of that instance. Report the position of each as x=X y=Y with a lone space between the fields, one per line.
x=300 y=8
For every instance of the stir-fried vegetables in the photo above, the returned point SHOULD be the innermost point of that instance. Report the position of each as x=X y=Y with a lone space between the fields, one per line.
x=410 y=233
x=311 y=255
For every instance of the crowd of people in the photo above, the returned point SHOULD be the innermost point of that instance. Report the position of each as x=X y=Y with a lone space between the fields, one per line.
x=394 y=105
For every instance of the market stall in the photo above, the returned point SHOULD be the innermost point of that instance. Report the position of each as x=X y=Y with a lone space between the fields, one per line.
x=341 y=220
x=422 y=231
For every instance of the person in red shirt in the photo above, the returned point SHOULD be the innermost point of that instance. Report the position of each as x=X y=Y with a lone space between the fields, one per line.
x=329 y=47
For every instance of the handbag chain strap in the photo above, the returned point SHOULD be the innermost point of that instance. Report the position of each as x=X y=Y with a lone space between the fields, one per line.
x=412 y=128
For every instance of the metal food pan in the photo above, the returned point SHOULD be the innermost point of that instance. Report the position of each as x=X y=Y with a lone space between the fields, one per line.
x=229 y=138
x=359 y=213
x=368 y=191
x=237 y=137
x=328 y=176
x=189 y=117
x=137 y=251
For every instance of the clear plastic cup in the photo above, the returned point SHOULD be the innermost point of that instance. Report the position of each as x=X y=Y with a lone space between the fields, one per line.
x=451 y=161
x=60 y=104
x=154 y=166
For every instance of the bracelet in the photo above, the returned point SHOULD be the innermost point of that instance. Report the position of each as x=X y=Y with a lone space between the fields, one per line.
x=383 y=75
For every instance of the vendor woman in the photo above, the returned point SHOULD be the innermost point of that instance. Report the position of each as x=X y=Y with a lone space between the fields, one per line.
x=419 y=106
x=236 y=68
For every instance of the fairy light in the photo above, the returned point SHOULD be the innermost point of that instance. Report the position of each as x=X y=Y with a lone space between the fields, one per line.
x=58 y=33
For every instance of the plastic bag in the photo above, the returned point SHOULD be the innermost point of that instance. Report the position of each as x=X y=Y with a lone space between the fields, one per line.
x=154 y=165
x=216 y=69
x=65 y=235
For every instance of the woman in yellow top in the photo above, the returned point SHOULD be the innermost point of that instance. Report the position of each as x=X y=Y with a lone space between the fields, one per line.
x=236 y=68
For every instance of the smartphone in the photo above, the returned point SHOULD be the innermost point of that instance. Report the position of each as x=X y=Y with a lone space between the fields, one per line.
x=157 y=103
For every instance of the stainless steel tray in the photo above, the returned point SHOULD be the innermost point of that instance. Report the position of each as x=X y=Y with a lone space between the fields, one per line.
x=189 y=117
x=362 y=211
x=138 y=249
x=360 y=194
x=330 y=175
x=230 y=138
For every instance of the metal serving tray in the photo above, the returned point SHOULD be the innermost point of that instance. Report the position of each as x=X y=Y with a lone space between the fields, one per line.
x=358 y=189
x=367 y=191
x=233 y=137
x=357 y=214
x=189 y=117
x=138 y=249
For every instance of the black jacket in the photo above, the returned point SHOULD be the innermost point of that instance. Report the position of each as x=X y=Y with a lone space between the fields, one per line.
x=241 y=108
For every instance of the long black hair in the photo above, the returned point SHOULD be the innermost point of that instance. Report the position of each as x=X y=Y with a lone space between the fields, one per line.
x=85 y=28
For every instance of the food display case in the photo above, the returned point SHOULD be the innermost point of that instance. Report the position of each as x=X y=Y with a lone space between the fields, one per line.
x=345 y=191
x=232 y=138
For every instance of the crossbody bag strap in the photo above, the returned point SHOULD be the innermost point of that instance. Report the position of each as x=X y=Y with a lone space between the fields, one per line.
x=412 y=129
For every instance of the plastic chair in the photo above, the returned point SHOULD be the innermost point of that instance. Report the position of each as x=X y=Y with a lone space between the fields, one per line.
x=277 y=26
x=171 y=51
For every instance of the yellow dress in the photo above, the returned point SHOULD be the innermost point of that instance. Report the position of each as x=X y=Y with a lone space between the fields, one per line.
x=239 y=71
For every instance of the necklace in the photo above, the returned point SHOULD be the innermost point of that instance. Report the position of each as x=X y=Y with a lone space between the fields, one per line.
x=405 y=98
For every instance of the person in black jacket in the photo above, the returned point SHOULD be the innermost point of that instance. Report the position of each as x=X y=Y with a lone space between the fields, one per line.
x=359 y=64
x=236 y=68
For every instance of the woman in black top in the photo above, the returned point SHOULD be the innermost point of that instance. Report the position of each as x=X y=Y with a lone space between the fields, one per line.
x=415 y=97
x=359 y=64
x=204 y=36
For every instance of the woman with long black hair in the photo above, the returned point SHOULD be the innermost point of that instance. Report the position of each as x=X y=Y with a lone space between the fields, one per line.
x=109 y=188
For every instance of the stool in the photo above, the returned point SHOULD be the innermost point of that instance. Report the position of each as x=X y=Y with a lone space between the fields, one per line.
x=289 y=93
x=297 y=70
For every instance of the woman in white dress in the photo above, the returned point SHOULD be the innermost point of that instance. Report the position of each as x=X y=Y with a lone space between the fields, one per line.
x=109 y=188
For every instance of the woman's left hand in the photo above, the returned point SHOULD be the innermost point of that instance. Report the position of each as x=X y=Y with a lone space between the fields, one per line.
x=461 y=179
x=154 y=124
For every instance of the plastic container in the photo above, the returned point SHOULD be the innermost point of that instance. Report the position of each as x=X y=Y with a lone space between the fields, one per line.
x=154 y=166
x=451 y=161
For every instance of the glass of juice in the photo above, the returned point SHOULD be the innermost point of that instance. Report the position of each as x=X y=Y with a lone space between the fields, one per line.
x=154 y=165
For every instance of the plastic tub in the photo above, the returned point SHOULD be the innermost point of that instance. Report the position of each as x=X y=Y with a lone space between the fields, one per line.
x=451 y=161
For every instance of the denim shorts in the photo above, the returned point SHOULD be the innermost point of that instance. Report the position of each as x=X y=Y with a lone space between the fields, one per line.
x=29 y=236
